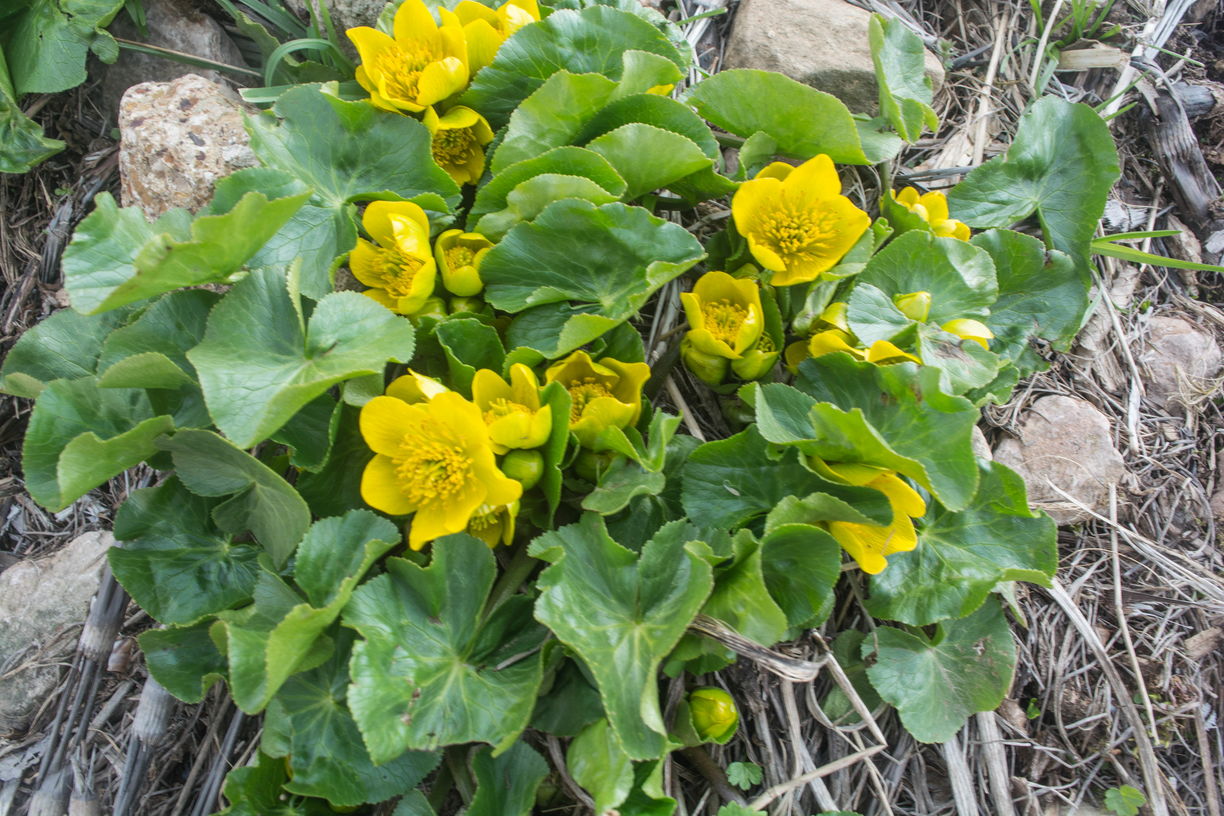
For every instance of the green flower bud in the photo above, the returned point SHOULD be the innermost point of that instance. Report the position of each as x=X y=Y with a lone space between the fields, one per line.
x=915 y=305
x=524 y=466
x=708 y=368
x=714 y=714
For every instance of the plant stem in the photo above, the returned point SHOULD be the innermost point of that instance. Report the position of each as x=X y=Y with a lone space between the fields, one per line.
x=714 y=774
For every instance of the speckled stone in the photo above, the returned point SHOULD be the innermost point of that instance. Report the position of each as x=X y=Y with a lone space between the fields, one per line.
x=822 y=43
x=39 y=598
x=177 y=139
x=1179 y=362
x=1066 y=444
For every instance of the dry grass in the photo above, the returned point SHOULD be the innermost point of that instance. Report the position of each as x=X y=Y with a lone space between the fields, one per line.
x=1119 y=679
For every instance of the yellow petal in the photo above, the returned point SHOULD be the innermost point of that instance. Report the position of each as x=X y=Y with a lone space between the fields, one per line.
x=483 y=40
x=936 y=204
x=441 y=79
x=902 y=497
x=383 y=299
x=377 y=220
x=370 y=43
x=380 y=487
x=907 y=197
x=750 y=200
x=827 y=342
x=629 y=387
x=882 y=351
x=364 y=263
x=775 y=170
x=487 y=386
x=384 y=421
x=816 y=177
x=469 y=11
x=413 y=21
x=525 y=386
x=414 y=387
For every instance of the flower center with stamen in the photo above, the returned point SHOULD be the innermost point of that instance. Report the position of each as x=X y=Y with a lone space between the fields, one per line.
x=395 y=271
x=499 y=408
x=401 y=70
x=484 y=518
x=458 y=257
x=794 y=230
x=454 y=146
x=431 y=470
x=723 y=319
x=765 y=344
x=583 y=392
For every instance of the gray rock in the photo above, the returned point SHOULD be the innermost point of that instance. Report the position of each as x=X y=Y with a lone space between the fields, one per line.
x=1066 y=444
x=176 y=140
x=346 y=14
x=174 y=24
x=822 y=43
x=981 y=448
x=1179 y=362
x=38 y=600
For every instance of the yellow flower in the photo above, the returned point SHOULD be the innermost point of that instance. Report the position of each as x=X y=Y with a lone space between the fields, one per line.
x=486 y=29
x=459 y=137
x=796 y=221
x=881 y=352
x=607 y=394
x=459 y=254
x=969 y=329
x=869 y=544
x=424 y=64
x=932 y=208
x=512 y=409
x=757 y=361
x=413 y=388
x=724 y=314
x=494 y=525
x=432 y=459
x=400 y=271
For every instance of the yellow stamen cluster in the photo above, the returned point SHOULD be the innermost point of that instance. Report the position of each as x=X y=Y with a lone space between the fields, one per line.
x=402 y=68
x=395 y=271
x=723 y=320
x=582 y=392
x=499 y=408
x=430 y=470
x=454 y=146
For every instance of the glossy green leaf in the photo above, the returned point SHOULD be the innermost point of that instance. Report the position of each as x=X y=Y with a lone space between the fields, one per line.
x=260 y=362
x=556 y=329
x=22 y=143
x=531 y=197
x=260 y=500
x=899 y=408
x=937 y=683
x=1040 y=295
x=48 y=43
x=729 y=482
x=308 y=723
x=333 y=556
x=170 y=327
x=183 y=659
x=570 y=704
x=174 y=561
x=801 y=120
x=905 y=89
x=336 y=487
x=596 y=762
x=506 y=784
x=310 y=433
x=964 y=363
x=469 y=344
x=622 y=614
x=80 y=435
x=595 y=40
x=345 y=152
x=959 y=276
x=649 y=157
x=429 y=671
x=1061 y=166
x=962 y=556
x=651 y=109
x=65 y=345
x=612 y=256
x=552 y=116
x=116 y=257
x=801 y=564
x=256 y=790
x=561 y=161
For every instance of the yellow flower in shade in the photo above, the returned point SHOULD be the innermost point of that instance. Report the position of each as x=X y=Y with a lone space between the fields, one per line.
x=459 y=137
x=400 y=270
x=494 y=525
x=512 y=409
x=724 y=314
x=796 y=221
x=459 y=254
x=969 y=329
x=413 y=388
x=486 y=29
x=432 y=459
x=932 y=208
x=422 y=65
x=870 y=544
x=607 y=394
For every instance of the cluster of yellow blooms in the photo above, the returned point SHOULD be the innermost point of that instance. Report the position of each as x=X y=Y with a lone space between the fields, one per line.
x=426 y=65
x=727 y=329
x=399 y=266
x=436 y=452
